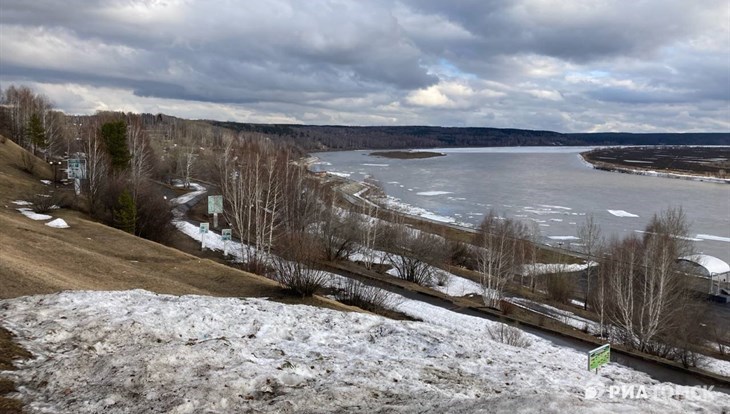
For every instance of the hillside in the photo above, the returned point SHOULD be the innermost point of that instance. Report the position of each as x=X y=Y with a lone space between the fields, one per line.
x=40 y=259
x=334 y=137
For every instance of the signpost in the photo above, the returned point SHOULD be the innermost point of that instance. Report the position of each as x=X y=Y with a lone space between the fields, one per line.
x=599 y=356
x=76 y=171
x=203 y=231
x=215 y=206
x=226 y=237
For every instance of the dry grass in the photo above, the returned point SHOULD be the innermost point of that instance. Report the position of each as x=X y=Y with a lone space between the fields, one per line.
x=37 y=259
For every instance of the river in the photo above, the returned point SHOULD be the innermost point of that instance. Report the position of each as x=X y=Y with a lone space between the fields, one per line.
x=549 y=188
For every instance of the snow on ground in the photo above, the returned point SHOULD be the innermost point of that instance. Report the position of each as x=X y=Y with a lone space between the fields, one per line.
x=458 y=286
x=22 y=203
x=563 y=238
x=339 y=174
x=622 y=213
x=58 y=224
x=33 y=215
x=46 y=182
x=398 y=205
x=566 y=317
x=548 y=268
x=197 y=191
x=377 y=256
x=718 y=366
x=139 y=352
x=214 y=241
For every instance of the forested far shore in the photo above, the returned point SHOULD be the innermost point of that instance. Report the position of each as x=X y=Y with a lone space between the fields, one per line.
x=337 y=137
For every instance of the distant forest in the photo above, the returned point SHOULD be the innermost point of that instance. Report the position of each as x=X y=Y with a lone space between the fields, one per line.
x=329 y=138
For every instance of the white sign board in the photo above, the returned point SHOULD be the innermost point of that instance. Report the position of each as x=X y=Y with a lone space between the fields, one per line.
x=215 y=204
x=226 y=234
x=76 y=169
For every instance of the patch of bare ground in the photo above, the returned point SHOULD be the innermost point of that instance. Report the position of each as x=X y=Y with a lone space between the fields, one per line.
x=9 y=351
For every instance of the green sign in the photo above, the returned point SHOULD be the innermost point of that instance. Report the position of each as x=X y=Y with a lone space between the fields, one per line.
x=204 y=228
x=599 y=356
x=215 y=204
x=226 y=234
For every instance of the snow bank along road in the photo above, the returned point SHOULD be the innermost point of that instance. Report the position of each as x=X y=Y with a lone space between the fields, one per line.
x=135 y=352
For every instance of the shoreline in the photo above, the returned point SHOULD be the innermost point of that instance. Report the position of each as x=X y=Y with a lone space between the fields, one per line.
x=681 y=175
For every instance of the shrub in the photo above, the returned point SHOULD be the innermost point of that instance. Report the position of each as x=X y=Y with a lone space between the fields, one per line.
x=509 y=335
x=507 y=307
x=299 y=277
x=370 y=298
x=43 y=203
x=296 y=269
x=154 y=218
x=560 y=287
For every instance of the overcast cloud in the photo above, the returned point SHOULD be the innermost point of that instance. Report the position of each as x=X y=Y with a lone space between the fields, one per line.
x=590 y=65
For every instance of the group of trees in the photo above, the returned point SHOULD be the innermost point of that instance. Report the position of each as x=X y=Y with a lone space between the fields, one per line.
x=30 y=120
x=634 y=284
x=642 y=294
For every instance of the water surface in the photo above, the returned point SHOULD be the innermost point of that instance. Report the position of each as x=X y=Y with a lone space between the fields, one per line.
x=548 y=187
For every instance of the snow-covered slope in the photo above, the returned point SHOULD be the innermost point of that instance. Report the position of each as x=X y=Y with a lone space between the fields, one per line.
x=135 y=352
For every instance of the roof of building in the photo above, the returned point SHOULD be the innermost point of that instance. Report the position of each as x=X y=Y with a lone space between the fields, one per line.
x=711 y=263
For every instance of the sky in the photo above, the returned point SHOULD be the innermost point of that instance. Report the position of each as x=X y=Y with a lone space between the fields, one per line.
x=567 y=66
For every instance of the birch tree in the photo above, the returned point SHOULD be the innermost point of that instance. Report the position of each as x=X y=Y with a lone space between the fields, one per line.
x=590 y=236
x=498 y=255
x=97 y=165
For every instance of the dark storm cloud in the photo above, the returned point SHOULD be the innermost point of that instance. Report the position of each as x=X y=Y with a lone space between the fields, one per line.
x=527 y=63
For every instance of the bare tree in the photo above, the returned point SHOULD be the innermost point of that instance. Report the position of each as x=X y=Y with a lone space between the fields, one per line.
x=338 y=231
x=410 y=252
x=498 y=255
x=97 y=165
x=140 y=167
x=662 y=285
x=644 y=289
x=187 y=163
x=370 y=231
x=591 y=239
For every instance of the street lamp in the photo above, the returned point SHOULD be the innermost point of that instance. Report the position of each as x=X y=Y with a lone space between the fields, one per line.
x=55 y=165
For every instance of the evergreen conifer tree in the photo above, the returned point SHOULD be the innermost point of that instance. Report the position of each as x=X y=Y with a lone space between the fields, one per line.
x=115 y=138
x=125 y=215
x=36 y=133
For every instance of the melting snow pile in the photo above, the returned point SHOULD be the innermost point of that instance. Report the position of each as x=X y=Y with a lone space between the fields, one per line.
x=33 y=215
x=58 y=223
x=135 y=351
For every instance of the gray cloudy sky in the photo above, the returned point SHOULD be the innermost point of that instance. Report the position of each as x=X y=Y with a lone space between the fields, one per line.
x=570 y=66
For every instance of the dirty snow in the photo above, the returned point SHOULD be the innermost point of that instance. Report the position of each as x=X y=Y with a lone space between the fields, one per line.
x=22 y=203
x=197 y=191
x=138 y=352
x=58 y=223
